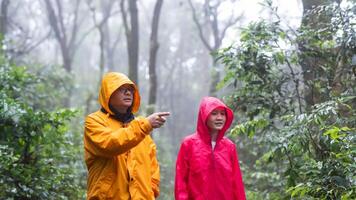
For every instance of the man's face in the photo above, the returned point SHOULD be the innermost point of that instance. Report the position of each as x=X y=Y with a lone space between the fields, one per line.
x=122 y=98
x=216 y=119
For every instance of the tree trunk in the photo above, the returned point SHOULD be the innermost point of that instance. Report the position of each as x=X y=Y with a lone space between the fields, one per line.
x=215 y=78
x=67 y=59
x=211 y=18
x=65 y=35
x=102 y=56
x=133 y=42
x=310 y=64
x=3 y=18
x=60 y=34
x=132 y=37
x=154 y=45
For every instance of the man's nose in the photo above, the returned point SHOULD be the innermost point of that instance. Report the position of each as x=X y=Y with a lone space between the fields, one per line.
x=128 y=91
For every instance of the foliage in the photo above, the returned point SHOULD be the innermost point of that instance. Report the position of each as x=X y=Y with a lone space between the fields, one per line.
x=289 y=147
x=322 y=143
x=36 y=150
x=167 y=167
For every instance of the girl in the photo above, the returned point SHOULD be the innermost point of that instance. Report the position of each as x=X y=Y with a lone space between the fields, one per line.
x=207 y=166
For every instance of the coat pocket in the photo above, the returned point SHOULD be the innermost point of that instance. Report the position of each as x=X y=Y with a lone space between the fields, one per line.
x=103 y=188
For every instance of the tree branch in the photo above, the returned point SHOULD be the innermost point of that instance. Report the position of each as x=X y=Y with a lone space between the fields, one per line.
x=196 y=21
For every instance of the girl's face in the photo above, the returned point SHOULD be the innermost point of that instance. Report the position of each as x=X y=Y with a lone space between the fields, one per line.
x=216 y=119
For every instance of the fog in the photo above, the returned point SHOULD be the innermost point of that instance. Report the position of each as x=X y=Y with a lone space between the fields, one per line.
x=87 y=38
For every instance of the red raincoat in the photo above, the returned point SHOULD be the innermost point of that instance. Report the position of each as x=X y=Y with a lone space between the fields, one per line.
x=203 y=173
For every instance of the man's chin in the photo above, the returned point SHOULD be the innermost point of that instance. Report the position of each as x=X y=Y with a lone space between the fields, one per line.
x=128 y=104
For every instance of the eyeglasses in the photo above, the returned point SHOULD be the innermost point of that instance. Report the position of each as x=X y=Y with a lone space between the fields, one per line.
x=124 y=90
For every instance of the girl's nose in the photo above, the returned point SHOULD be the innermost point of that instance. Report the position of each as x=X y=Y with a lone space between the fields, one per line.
x=220 y=116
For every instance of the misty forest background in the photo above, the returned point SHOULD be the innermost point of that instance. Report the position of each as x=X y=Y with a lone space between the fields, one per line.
x=286 y=68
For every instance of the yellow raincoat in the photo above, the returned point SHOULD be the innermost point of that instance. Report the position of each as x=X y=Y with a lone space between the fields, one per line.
x=121 y=158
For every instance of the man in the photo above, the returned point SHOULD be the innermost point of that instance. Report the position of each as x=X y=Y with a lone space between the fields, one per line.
x=119 y=153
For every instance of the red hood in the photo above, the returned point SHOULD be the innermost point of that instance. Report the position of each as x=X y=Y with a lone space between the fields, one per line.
x=207 y=105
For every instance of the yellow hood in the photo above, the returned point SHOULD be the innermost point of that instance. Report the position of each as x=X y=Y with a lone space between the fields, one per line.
x=111 y=82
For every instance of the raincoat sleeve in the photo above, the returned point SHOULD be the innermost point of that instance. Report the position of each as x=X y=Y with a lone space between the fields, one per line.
x=105 y=141
x=182 y=171
x=155 y=177
x=238 y=185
